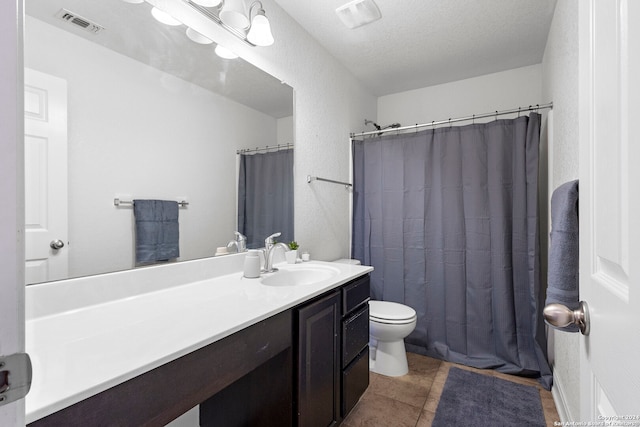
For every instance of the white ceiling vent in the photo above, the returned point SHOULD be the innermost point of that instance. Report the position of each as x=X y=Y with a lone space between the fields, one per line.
x=83 y=23
x=357 y=13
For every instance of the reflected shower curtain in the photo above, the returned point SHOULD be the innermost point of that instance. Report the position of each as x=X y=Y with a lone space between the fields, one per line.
x=265 y=196
x=448 y=218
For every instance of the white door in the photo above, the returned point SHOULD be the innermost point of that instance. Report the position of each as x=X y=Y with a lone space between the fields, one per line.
x=45 y=153
x=610 y=209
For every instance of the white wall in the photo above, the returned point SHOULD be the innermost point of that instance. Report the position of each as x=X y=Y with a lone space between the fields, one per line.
x=137 y=131
x=519 y=87
x=560 y=83
x=329 y=104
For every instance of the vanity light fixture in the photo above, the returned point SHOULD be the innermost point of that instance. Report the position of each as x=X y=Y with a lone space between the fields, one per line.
x=208 y=3
x=248 y=24
x=260 y=28
x=164 y=17
x=225 y=53
x=234 y=14
x=197 y=37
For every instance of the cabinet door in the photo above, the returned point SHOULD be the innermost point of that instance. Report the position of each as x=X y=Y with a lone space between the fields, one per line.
x=318 y=362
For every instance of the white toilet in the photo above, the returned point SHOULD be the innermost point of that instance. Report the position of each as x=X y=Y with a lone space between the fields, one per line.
x=389 y=324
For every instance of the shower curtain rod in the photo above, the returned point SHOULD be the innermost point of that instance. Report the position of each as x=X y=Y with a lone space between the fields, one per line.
x=458 y=119
x=265 y=148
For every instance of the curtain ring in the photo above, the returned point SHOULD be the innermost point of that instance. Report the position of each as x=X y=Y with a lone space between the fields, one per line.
x=537 y=107
x=496 y=115
x=518 y=111
x=473 y=120
x=449 y=121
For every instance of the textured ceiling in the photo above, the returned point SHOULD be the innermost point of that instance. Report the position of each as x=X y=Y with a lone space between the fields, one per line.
x=420 y=43
x=417 y=43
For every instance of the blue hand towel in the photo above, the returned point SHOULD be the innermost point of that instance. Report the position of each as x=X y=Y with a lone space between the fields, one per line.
x=563 y=274
x=157 y=230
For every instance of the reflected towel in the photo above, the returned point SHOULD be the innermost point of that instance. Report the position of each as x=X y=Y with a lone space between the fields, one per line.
x=157 y=230
x=563 y=274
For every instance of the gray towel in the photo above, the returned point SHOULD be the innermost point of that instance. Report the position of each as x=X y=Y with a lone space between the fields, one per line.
x=157 y=230
x=562 y=278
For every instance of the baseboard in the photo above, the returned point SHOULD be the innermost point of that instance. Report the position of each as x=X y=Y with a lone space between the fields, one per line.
x=559 y=398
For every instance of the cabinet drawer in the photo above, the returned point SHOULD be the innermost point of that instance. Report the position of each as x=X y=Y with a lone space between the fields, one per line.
x=355 y=294
x=355 y=380
x=355 y=334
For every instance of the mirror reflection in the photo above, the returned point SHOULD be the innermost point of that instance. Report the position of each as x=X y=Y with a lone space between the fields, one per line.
x=133 y=109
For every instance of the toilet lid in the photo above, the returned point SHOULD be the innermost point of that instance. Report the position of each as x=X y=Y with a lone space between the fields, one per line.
x=387 y=310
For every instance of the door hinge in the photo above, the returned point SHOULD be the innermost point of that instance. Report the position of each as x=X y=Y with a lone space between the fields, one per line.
x=15 y=377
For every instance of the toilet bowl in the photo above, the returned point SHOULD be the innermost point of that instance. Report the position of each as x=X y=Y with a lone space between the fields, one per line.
x=389 y=324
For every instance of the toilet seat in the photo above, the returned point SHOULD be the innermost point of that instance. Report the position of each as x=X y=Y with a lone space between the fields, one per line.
x=393 y=322
x=391 y=313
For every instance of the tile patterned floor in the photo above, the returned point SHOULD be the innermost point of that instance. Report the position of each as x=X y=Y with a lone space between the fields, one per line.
x=411 y=400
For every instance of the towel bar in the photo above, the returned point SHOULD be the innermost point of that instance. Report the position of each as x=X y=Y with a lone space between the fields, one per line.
x=119 y=202
x=317 y=178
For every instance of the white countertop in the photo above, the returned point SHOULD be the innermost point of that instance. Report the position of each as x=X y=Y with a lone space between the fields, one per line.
x=85 y=350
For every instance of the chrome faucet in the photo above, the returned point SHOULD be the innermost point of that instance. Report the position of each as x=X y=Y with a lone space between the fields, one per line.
x=240 y=243
x=270 y=247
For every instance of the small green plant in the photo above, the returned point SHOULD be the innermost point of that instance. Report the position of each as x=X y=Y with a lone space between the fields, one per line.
x=293 y=245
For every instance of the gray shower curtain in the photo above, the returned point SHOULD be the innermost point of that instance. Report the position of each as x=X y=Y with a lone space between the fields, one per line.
x=265 y=196
x=448 y=218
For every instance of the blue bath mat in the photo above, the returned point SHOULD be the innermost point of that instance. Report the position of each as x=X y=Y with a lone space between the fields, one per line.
x=469 y=399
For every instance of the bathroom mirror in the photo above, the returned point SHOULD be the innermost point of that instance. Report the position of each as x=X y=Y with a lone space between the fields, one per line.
x=150 y=114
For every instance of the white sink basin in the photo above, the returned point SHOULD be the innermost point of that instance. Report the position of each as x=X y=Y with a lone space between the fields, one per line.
x=299 y=275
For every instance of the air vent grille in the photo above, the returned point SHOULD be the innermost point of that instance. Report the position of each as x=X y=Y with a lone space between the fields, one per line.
x=79 y=21
x=357 y=13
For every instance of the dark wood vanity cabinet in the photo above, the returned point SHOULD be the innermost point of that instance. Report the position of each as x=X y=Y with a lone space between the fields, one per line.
x=306 y=366
x=318 y=361
x=242 y=380
x=332 y=359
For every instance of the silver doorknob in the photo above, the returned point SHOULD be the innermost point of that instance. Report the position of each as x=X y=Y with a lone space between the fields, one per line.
x=562 y=316
x=56 y=244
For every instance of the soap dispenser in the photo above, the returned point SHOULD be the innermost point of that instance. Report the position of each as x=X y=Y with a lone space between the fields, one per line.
x=252 y=264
